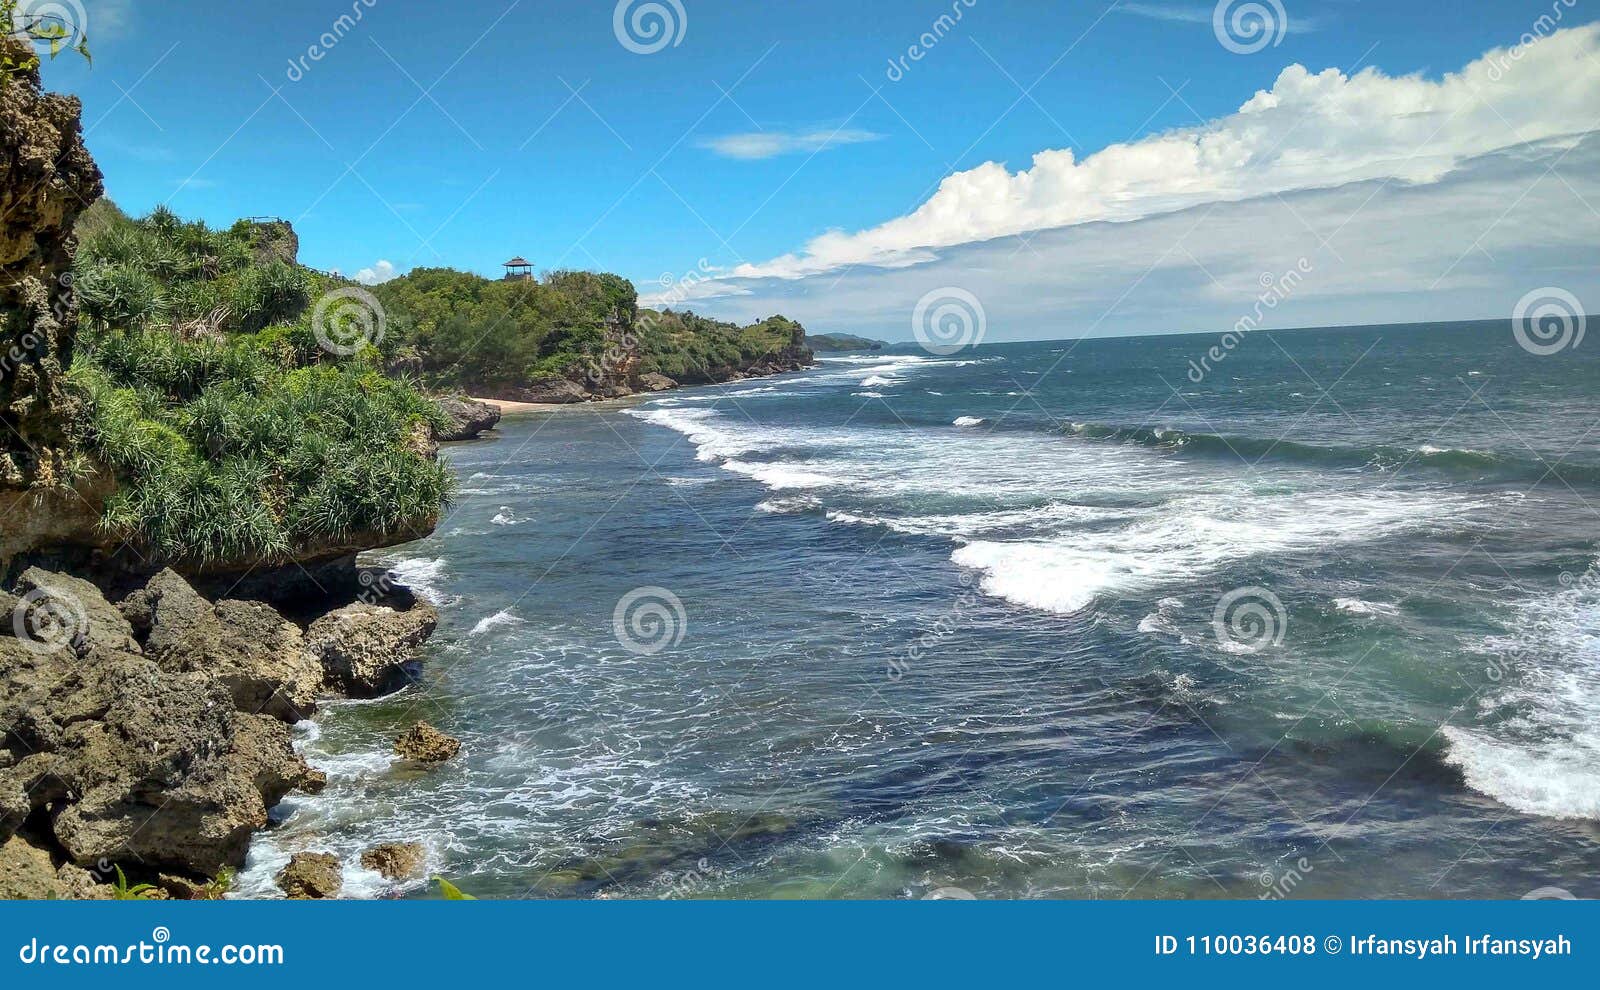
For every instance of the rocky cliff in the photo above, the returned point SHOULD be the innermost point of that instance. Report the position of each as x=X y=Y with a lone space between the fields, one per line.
x=47 y=178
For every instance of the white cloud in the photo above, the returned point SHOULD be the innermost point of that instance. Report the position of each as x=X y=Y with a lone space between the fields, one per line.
x=1309 y=131
x=378 y=274
x=770 y=144
x=1465 y=247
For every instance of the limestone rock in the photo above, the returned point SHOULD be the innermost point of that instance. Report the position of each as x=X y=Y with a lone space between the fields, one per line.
x=395 y=860
x=425 y=744
x=365 y=649
x=468 y=418
x=311 y=876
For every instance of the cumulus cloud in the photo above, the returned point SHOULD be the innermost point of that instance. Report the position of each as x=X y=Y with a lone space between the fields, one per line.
x=1468 y=246
x=378 y=274
x=1310 y=130
x=770 y=144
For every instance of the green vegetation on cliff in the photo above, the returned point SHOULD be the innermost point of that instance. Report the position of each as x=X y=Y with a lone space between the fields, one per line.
x=235 y=438
x=460 y=330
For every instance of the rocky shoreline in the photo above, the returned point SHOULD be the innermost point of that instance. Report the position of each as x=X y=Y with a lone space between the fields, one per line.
x=148 y=737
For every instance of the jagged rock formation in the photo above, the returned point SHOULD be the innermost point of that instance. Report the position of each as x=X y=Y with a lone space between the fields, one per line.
x=394 y=860
x=425 y=744
x=311 y=876
x=154 y=733
x=47 y=178
x=468 y=418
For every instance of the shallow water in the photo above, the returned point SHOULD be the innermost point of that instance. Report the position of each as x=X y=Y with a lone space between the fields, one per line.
x=1042 y=620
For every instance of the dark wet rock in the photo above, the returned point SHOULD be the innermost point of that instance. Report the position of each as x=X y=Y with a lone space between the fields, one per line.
x=365 y=650
x=395 y=860
x=311 y=876
x=425 y=744
x=468 y=418
x=558 y=390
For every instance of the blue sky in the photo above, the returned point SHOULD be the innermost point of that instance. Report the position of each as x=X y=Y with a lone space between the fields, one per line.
x=433 y=134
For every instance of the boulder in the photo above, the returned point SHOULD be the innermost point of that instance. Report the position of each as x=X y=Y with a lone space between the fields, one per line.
x=395 y=860
x=425 y=744
x=120 y=759
x=559 y=390
x=365 y=649
x=27 y=873
x=652 y=381
x=468 y=418
x=311 y=876
x=257 y=654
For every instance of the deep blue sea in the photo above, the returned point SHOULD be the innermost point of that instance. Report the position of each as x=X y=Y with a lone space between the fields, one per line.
x=1031 y=620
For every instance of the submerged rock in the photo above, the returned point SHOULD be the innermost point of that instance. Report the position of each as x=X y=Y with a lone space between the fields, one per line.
x=311 y=876
x=468 y=418
x=395 y=860
x=425 y=744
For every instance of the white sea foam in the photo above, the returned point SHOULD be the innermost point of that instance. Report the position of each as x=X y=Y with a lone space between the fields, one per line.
x=505 y=517
x=424 y=575
x=967 y=421
x=878 y=381
x=868 y=395
x=1537 y=749
x=1356 y=606
x=504 y=617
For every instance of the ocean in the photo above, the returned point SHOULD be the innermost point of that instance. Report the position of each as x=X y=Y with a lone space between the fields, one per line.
x=1095 y=619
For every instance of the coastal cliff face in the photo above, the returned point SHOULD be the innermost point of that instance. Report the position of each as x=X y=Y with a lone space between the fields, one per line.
x=630 y=364
x=47 y=178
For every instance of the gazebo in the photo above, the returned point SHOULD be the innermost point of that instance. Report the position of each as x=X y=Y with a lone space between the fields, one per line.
x=518 y=267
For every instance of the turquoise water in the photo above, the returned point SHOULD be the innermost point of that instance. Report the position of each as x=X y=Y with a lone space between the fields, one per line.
x=1035 y=620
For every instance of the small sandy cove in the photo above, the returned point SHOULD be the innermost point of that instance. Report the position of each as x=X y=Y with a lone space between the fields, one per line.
x=508 y=406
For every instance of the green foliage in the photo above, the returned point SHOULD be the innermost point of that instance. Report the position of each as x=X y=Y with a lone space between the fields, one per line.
x=120 y=891
x=31 y=28
x=217 y=889
x=227 y=455
x=450 y=891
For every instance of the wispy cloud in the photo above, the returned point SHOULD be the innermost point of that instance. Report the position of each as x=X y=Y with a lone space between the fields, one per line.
x=1185 y=14
x=752 y=145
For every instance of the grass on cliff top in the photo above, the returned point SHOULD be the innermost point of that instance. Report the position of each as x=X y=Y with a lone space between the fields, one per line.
x=234 y=437
x=226 y=456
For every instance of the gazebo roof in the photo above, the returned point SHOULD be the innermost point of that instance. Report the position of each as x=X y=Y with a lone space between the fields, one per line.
x=518 y=262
